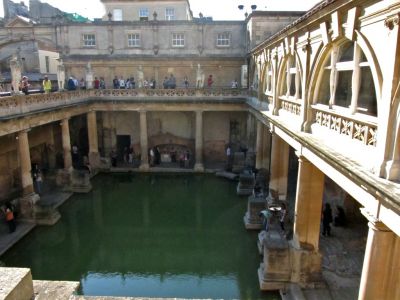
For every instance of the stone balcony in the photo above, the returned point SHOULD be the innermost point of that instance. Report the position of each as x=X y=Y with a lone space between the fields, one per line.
x=18 y=105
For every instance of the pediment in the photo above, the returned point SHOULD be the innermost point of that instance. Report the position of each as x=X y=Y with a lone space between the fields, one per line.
x=19 y=21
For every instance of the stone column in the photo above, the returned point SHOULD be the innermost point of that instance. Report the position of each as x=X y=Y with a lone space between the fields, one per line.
x=266 y=147
x=259 y=145
x=310 y=188
x=144 y=165
x=380 y=274
x=199 y=142
x=25 y=163
x=279 y=167
x=94 y=158
x=66 y=142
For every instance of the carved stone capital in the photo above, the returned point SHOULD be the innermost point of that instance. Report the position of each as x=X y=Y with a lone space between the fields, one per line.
x=392 y=21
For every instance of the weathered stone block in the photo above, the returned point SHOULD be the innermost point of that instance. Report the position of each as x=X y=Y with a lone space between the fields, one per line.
x=16 y=284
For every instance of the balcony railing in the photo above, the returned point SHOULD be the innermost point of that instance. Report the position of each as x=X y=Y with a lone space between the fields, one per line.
x=12 y=106
x=363 y=131
x=291 y=106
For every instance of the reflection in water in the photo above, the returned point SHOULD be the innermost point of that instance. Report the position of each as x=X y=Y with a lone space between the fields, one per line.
x=149 y=236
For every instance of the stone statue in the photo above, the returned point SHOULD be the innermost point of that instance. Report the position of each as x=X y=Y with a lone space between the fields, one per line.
x=140 y=77
x=89 y=76
x=60 y=75
x=199 y=77
x=16 y=70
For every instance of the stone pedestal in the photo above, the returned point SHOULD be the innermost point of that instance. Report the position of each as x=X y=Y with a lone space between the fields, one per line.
x=46 y=214
x=252 y=218
x=16 y=284
x=275 y=271
x=94 y=159
x=27 y=206
x=74 y=181
x=80 y=182
x=284 y=264
x=199 y=167
x=246 y=183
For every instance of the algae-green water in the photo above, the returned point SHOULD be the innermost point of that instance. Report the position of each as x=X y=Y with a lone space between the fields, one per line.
x=155 y=235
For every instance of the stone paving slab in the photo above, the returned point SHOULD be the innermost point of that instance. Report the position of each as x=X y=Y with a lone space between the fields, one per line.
x=7 y=240
x=54 y=290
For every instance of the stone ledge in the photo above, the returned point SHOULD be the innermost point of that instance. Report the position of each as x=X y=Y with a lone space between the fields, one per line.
x=54 y=290
x=16 y=284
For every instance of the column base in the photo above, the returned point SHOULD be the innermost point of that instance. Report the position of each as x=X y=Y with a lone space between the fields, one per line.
x=27 y=206
x=252 y=219
x=284 y=264
x=198 y=167
x=144 y=167
x=94 y=160
x=80 y=182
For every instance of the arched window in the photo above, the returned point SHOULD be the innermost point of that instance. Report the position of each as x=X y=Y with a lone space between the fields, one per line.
x=268 y=79
x=346 y=80
x=292 y=80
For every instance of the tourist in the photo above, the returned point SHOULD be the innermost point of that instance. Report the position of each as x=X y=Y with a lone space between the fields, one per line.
x=165 y=82
x=229 y=158
x=326 y=220
x=186 y=82
x=24 y=85
x=121 y=83
x=157 y=156
x=75 y=156
x=37 y=179
x=151 y=152
x=10 y=217
x=266 y=215
x=82 y=84
x=102 y=83
x=71 y=84
x=210 y=81
x=126 y=155
x=116 y=83
x=130 y=154
x=340 y=217
x=133 y=83
x=46 y=85
x=282 y=216
x=96 y=83
x=187 y=159
x=234 y=84
x=113 y=156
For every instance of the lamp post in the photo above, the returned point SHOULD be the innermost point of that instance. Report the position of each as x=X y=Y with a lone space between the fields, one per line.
x=242 y=7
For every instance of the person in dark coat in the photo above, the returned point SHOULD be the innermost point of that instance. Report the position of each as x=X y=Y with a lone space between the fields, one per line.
x=326 y=220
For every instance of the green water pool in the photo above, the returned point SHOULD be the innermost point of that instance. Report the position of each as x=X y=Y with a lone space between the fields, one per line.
x=150 y=235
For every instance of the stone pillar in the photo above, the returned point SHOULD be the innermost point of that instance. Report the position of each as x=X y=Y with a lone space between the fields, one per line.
x=94 y=158
x=309 y=194
x=66 y=142
x=51 y=154
x=144 y=165
x=259 y=144
x=279 y=167
x=199 y=142
x=266 y=148
x=380 y=274
x=29 y=198
x=25 y=163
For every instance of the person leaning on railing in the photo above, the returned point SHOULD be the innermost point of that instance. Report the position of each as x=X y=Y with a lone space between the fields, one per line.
x=46 y=85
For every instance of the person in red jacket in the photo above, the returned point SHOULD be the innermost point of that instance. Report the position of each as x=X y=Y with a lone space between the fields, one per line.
x=210 y=81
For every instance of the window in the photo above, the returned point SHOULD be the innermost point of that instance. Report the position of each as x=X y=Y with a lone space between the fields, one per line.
x=143 y=14
x=223 y=39
x=47 y=61
x=169 y=14
x=292 y=80
x=347 y=81
x=117 y=14
x=268 y=81
x=89 y=40
x=133 y=40
x=178 y=40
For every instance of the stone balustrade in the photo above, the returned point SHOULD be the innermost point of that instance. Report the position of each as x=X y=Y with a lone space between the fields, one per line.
x=15 y=105
x=291 y=106
x=359 y=129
